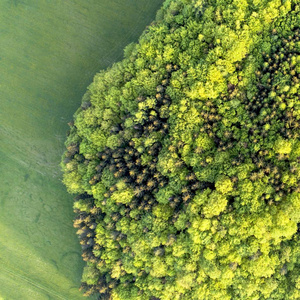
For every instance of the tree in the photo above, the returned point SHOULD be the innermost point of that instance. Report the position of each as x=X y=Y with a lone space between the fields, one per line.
x=185 y=156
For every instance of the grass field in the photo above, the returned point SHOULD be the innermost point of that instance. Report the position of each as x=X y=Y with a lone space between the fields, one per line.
x=49 y=52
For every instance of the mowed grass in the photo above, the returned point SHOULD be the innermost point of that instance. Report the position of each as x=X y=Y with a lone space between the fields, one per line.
x=49 y=52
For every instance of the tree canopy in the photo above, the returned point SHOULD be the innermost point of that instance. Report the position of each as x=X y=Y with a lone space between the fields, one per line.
x=185 y=157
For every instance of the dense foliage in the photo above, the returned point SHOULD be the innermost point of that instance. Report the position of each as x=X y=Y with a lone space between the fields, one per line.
x=185 y=157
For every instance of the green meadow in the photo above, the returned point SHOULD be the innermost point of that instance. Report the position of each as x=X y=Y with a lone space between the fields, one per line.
x=49 y=53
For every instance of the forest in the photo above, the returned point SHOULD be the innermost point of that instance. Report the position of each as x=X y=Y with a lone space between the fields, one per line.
x=184 y=158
